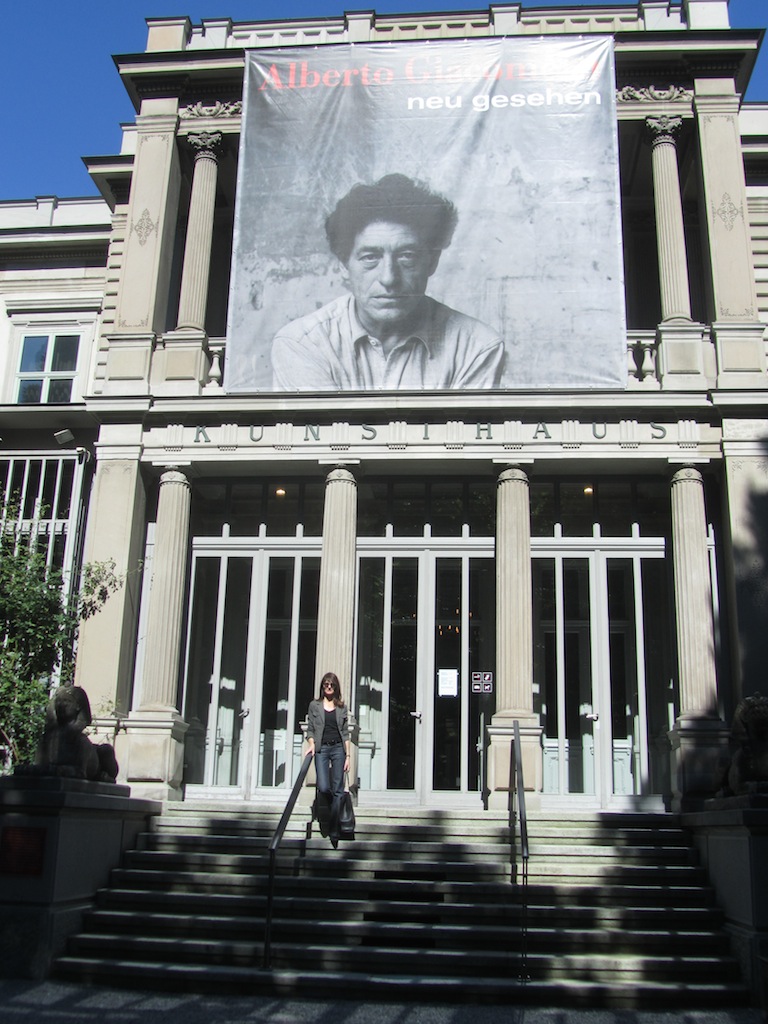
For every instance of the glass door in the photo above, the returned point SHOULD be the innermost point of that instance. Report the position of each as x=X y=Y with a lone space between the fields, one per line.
x=426 y=628
x=594 y=615
x=250 y=667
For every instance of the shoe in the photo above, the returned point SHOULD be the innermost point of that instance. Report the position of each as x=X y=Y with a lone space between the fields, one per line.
x=334 y=841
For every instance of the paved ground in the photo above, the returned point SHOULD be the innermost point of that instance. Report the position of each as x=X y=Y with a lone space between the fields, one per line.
x=49 y=1002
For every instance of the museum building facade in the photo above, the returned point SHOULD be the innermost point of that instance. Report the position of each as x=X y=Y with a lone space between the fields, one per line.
x=581 y=554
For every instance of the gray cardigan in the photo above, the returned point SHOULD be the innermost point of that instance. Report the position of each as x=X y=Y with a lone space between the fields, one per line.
x=316 y=722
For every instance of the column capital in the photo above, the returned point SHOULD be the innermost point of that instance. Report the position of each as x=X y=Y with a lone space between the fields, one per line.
x=688 y=474
x=513 y=473
x=206 y=145
x=340 y=475
x=663 y=128
x=173 y=475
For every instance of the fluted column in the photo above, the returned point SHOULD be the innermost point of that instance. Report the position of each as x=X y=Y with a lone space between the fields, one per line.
x=693 y=596
x=514 y=630
x=670 y=232
x=197 y=249
x=514 y=641
x=698 y=736
x=336 y=606
x=166 y=596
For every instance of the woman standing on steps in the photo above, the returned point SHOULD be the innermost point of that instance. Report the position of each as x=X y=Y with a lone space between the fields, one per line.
x=328 y=739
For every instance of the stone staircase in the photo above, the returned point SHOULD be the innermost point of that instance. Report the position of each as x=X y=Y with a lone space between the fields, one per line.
x=420 y=905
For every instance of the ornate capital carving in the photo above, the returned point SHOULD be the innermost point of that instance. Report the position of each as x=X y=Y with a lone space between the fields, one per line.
x=215 y=109
x=207 y=145
x=663 y=128
x=650 y=94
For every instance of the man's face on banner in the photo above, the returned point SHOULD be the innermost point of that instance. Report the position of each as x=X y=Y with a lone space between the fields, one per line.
x=388 y=270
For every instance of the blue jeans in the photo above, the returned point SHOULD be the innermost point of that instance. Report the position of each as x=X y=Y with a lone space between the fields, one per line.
x=329 y=766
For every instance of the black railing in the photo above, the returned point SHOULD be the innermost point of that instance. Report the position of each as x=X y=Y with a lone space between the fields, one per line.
x=274 y=845
x=517 y=804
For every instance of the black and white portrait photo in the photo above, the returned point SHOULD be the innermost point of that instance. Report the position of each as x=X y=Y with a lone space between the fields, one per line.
x=433 y=218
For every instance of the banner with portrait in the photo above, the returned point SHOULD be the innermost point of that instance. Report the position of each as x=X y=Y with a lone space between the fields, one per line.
x=428 y=215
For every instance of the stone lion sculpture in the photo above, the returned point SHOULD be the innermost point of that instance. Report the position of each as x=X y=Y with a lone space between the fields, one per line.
x=747 y=770
x=64 y=749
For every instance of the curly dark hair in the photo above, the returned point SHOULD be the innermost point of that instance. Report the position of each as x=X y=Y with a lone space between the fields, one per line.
x=395 y=199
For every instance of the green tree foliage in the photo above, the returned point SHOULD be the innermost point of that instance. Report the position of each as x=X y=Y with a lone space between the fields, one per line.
x=38 y=627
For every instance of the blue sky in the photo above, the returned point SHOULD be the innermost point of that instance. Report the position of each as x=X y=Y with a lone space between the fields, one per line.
x=62 y=97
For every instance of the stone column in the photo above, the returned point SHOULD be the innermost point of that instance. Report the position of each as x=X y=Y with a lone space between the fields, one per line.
x=154 y=737
x=182 y=364
x=698 y=735
x=197 y=250
x=670 y=233
x=336 y=605
x=736 y=325
x=681 y=354
x=514 y=640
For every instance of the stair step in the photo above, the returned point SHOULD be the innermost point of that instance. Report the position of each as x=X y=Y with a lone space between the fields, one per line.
x=617 y=911
x=513 y=990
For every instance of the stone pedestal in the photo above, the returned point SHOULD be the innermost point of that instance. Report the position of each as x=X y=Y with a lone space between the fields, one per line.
x=699 y=746
x=150 y=752
x=59 y=840
x=731 y=835
x=684 y=355
x=500 y=735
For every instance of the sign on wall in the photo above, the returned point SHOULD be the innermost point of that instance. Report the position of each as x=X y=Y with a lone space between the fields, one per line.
x=440 y=215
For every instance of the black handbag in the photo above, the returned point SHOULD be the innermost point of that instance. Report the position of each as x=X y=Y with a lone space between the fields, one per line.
x=347 y=815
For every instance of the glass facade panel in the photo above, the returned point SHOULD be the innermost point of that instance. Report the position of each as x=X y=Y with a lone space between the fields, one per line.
x=482 y=658
x=200 y=657
x=231 y=678
x=276 y=674
x=580 y=749
x=446 y=764
x=626 y=721
x=371 y=712
x=401 y=741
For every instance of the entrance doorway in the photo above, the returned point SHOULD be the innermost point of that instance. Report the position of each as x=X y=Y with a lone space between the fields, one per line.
x=424 y=672
x=602 y=656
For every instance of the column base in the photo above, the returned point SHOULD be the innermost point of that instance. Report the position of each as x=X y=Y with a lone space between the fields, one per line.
x=683 y=348
x=740 y=355
x=500 y=734
x=699 y=747
x=150 y=752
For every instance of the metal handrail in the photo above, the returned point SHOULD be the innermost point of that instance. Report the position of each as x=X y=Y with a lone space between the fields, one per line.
x=274 y=845
x=517 y=795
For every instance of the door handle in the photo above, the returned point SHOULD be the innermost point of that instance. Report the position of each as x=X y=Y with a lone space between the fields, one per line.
x=592 y=716
x=416 y=715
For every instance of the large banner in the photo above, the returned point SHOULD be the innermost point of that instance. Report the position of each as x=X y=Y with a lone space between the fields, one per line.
x=428 y=216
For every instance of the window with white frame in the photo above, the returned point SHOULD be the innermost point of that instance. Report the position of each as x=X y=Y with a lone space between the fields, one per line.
x=47 y=367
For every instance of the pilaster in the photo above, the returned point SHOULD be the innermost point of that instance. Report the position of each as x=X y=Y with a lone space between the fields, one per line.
x=152 y=214
x=115 y=531
x=737 y=331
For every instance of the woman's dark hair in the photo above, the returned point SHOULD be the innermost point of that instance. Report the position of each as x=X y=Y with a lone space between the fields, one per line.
x=395 y=199
x=331 y=677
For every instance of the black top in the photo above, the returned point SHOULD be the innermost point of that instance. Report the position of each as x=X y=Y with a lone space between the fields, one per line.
x=331 y=734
